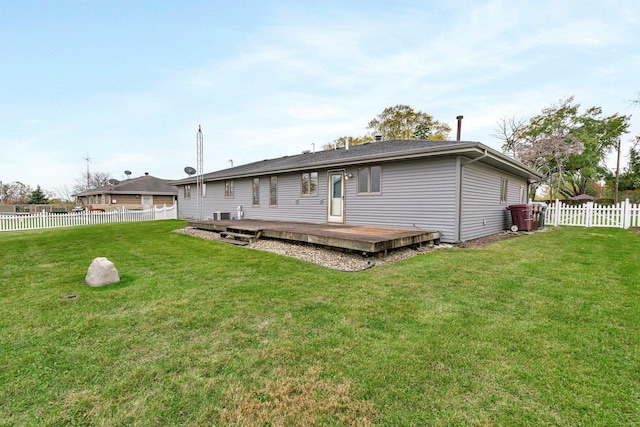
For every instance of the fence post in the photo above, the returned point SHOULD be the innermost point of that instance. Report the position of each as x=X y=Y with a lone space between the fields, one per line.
x=589 y=214
x=557 y=213
x=626 y=214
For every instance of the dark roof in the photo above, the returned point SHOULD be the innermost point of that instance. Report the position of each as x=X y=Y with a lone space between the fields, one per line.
x=373 y=152
x=146 y=184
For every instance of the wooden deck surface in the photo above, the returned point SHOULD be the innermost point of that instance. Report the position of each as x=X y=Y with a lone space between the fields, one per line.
x=359 y=238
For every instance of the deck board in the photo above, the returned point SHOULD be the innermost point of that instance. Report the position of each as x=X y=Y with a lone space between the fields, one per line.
x=359 y=238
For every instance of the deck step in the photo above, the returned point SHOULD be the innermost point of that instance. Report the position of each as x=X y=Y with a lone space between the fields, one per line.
x=241 y=236
x=234 y=242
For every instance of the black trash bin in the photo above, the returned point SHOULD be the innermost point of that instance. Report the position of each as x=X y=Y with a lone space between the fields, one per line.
x=521 y=216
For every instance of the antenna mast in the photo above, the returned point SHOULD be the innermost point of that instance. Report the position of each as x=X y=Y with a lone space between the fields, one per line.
x=199 y=176
x=88 y=159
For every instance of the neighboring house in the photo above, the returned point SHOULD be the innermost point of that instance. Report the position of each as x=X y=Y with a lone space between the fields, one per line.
x=136 y=193
x=458 y=188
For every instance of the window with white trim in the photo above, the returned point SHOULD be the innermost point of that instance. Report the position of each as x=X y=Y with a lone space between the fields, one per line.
x=187 y=191
x=309 y=184
x=273 y=191
x=256 y=191
x=370 y=180
x=229 y=190
x=504 y=187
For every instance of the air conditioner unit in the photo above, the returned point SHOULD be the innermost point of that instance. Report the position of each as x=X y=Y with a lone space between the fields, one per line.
x=219 y=215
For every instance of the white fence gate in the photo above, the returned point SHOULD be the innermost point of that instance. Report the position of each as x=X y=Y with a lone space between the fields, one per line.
x=590 y=214
x=17 y=222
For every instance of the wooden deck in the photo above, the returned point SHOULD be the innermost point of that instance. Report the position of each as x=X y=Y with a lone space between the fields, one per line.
x=357 y=238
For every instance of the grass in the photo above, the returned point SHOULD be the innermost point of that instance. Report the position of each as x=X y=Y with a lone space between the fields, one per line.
x=538 y=330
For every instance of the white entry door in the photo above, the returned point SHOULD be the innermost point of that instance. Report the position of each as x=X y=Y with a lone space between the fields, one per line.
x=335 y=197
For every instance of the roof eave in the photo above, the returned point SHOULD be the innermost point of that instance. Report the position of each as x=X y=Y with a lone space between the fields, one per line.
x=458 y=149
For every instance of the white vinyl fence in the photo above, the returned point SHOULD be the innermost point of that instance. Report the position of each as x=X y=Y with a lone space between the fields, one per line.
x=590 y=214
x=17 y=222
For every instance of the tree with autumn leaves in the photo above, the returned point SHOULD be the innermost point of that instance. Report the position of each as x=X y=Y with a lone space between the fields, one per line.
x=567 y=146
x=397 y=122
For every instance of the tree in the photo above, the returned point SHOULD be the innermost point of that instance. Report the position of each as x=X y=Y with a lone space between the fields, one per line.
x=16 y=193
x=567 y=147
x=63 y=193
x=510 y=131
x=403 y=122
x=397 y=122
x=91 y=181
x=630 y=177
x=37 y=197
x=344 y=140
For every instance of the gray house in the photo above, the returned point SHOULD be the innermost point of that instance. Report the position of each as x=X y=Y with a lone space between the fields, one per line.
x=458 y=188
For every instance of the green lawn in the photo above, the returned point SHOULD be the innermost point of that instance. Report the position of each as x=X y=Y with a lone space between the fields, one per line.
x=537 y=330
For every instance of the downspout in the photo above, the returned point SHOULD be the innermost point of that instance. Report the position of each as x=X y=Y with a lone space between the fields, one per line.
x=460 y=212
x=486 y=153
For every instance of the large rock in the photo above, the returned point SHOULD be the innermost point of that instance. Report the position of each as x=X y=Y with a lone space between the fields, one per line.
x=101 y=272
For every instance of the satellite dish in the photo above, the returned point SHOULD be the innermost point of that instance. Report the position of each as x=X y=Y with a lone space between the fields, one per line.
x=127 y=173
x=189 y=170
x=114 y=181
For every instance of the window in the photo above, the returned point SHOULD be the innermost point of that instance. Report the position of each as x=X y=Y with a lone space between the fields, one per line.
x=370 y=180
x=204 y=189
x=187 y=191
x=309 y=184
x=504 y=185
x=229 y=192
x=256 y=191
x=273 y=191
x=522 y=194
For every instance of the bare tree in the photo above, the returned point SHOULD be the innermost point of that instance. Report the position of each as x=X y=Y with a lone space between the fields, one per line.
x=91 y=181
x=16 y=192
x=510 y=131
x=63 y=193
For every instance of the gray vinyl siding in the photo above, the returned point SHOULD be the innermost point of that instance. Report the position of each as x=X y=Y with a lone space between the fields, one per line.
x=482 y=212
x=185 y=208
x=414 y=194
x=425 y=194
x=292 y=206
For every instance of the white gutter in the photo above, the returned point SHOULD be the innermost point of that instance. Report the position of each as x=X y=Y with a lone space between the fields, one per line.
x=459 y=149
x=486 y=153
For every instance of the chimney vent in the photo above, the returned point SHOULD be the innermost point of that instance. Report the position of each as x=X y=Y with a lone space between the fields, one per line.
x=459 y=126
x=146 y=174
x=378 y=137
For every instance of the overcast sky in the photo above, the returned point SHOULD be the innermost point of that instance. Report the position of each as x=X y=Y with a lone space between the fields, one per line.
x=126 y=83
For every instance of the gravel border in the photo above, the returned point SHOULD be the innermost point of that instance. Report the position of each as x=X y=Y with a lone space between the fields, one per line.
x=330 y=258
